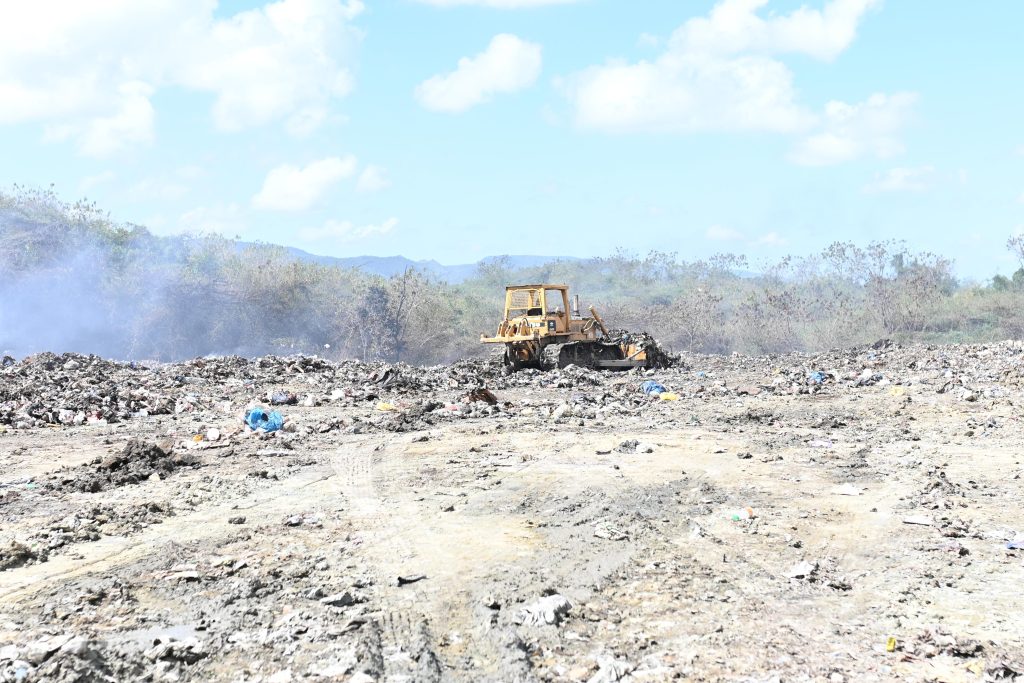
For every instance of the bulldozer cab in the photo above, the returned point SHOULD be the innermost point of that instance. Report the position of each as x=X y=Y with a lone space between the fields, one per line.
x=543 y=308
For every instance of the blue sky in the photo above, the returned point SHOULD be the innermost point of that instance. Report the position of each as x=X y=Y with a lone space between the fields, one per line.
x=457 y=129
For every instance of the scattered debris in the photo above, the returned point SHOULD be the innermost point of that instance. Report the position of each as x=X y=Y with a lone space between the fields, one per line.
x=412 y=578
x=550 y=609
x=918 y=520
x=608 y=531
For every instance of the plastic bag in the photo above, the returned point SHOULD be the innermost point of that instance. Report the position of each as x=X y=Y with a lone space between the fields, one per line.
x=652 y=388
x=259 y=418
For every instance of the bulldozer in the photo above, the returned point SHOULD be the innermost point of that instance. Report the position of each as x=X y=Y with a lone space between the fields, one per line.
x=540 y=331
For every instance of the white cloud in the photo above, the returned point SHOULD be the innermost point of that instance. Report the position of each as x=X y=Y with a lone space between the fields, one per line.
x=270 y=63
x=88 y=71
x=1020 y=150
x=500 y=4
x=902 y=180
x=222 y=219
x=771 y=239
x=719 y=233
x=733 y=27
x=291 y=188
x=509 y=64
x=717 y=72
x=688 y=93
x=304 y=122
x=372 y=179
x=346 y=231
x=129 y=124
x=851 y=131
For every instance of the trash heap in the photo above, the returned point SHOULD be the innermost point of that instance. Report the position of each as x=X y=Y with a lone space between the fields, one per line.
x=72 y=389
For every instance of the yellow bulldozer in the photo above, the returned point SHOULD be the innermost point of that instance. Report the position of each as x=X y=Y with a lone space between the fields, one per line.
x=540 y=331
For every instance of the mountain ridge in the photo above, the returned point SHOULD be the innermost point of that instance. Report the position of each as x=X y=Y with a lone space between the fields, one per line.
x=386 y=266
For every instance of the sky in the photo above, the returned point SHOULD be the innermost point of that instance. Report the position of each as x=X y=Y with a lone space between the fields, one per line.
x=458 y=129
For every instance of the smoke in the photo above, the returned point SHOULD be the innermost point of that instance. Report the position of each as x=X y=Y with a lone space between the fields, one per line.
x=73 y=280
x=76 y=296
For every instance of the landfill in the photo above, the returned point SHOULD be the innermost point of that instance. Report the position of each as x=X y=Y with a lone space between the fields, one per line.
x=851 y=515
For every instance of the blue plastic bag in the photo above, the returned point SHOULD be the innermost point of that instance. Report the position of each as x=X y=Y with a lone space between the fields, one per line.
x=652 y=388
x=259 y=418
x=817 y=377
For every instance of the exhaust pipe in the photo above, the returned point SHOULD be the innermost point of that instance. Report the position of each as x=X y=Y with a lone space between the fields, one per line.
x=576 y=305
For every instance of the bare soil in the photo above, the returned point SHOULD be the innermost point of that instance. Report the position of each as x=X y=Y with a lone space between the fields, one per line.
x=410 y=545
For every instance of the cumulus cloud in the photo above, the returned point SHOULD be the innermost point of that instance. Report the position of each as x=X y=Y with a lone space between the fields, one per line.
x=509 y=64
x=372 y=179
x=718 y=72
x=734 y=27
x=293 y=188
x=130 y=123
x=346 y=231
x=687 y=94
x=88 y=71
x=901 y=180
x=500 y=4
x=851 y=131
x=276 y=62
x=719 y=233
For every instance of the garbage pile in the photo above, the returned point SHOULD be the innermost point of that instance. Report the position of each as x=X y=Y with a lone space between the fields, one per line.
x=657 y=356
x=72 y=389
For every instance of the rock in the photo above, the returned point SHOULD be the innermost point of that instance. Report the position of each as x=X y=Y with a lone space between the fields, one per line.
x=611 y=670
x=343 y=599
x=39 y=651
x=16 y=554
x=609 y=531
x=189 y=651
x=551 y=609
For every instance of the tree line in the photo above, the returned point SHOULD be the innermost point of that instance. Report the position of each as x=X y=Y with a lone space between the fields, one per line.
x=76 y=280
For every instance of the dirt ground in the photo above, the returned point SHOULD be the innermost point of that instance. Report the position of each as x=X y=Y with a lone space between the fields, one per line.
x=583 y=532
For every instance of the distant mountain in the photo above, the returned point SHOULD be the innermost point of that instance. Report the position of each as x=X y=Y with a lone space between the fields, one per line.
x=386 y=266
